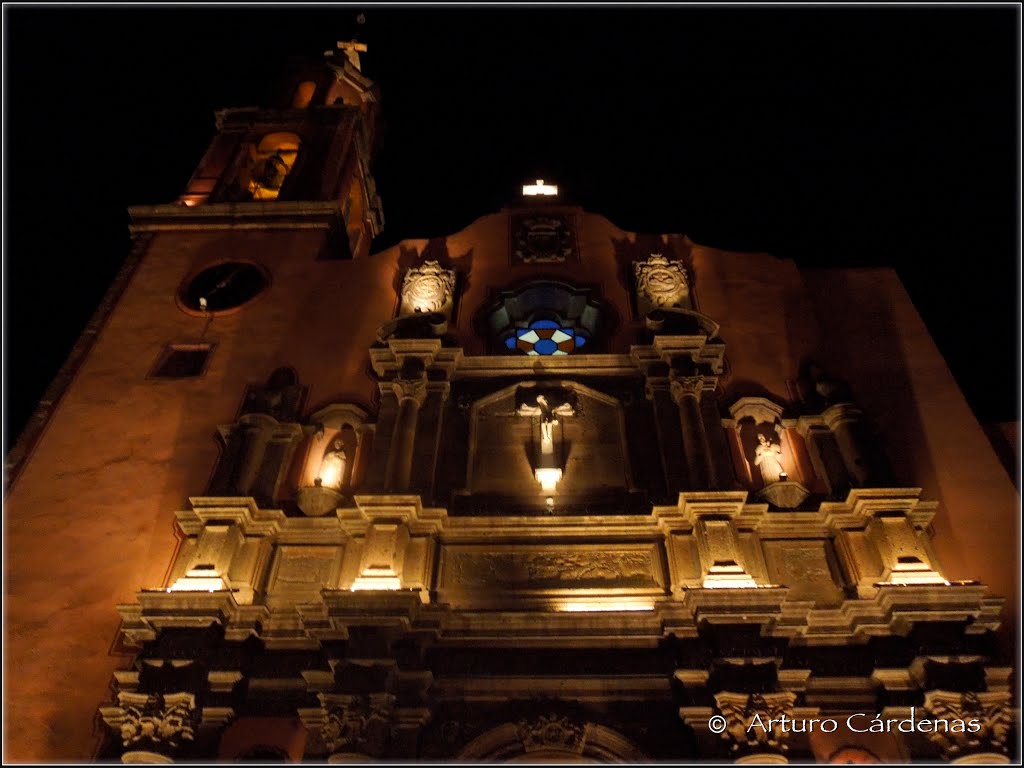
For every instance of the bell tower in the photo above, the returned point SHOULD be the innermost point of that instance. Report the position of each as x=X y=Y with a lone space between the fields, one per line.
x=311 y=150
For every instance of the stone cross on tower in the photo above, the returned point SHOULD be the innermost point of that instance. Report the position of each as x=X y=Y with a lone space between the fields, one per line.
x=352 y=50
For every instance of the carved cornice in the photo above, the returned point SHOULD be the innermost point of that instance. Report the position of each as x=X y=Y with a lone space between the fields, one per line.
x=278 y=214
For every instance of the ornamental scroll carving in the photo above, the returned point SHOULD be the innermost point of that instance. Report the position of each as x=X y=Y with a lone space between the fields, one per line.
x=550 y=732
x=753 y=721
x=987 y=713
x=660 y=283
x=167 y=720
x=481 y=569
x=428 y=288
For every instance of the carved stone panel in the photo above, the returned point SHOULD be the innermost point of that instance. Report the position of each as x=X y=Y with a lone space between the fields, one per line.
x=539 y=569
x=300 y=572
x=802 y=565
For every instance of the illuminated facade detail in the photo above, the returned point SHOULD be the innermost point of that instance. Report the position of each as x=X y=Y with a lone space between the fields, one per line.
x=428 y=288
x=546 y=337
x=539 y=188
x=535 y=528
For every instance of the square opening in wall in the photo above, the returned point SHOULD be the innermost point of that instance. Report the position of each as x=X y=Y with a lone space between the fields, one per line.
x=182 y=361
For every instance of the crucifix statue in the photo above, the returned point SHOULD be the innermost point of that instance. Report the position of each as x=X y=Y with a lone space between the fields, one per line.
x=352 y=50
x=549 y=406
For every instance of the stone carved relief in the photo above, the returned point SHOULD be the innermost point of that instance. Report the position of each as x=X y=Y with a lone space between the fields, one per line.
x=991 y=711
x=357 y=723
x=747 y=717
x=428 y=288
x=550 y=732
x=481 y=569
x=660 y=283
x=166 y=720
x=542 y=239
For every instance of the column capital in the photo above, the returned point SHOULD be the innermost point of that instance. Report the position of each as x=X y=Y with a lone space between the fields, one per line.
x=754 y=721
x=152 y=723
x=988 y=712
x=686 y=386
x=409 y=389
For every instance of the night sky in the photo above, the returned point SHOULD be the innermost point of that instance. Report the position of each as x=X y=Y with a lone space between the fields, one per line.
x=833 y=136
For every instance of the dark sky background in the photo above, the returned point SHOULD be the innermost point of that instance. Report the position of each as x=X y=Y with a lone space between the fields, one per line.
x=833 y=136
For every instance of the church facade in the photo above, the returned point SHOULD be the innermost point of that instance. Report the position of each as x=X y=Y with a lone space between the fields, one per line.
x=540 y=490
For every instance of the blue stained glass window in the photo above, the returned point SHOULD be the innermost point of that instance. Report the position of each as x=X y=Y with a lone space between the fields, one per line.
x=547 y=338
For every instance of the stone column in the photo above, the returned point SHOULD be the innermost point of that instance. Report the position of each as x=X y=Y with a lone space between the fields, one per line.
x=847 y=424
x=667 y=432
x=256 y=435
x=719 y=456
x=686 y=392
x=410 y=394
x=988 y=712
x=825 y=457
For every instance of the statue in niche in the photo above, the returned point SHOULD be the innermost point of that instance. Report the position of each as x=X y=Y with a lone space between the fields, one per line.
x=768 y=460
x=332 y=468
x=427 y=288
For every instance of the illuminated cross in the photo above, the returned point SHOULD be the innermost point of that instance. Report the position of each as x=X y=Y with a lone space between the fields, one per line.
x=352 y=50
x=540 y=188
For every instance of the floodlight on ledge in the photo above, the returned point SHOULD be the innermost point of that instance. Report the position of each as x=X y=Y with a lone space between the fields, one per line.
x=548 y=478
x=593 y=606
x=376 y=583
x=198 y=584
x=540 y=189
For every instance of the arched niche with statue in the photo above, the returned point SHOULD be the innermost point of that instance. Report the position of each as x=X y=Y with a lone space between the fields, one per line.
x=768 y=453
x=334 y=458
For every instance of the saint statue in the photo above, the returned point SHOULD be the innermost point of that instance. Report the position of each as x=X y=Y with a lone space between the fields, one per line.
x=332 y=468
x=768 y=460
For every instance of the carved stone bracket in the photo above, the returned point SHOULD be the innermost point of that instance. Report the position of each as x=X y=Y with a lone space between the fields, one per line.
x=979 y=723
